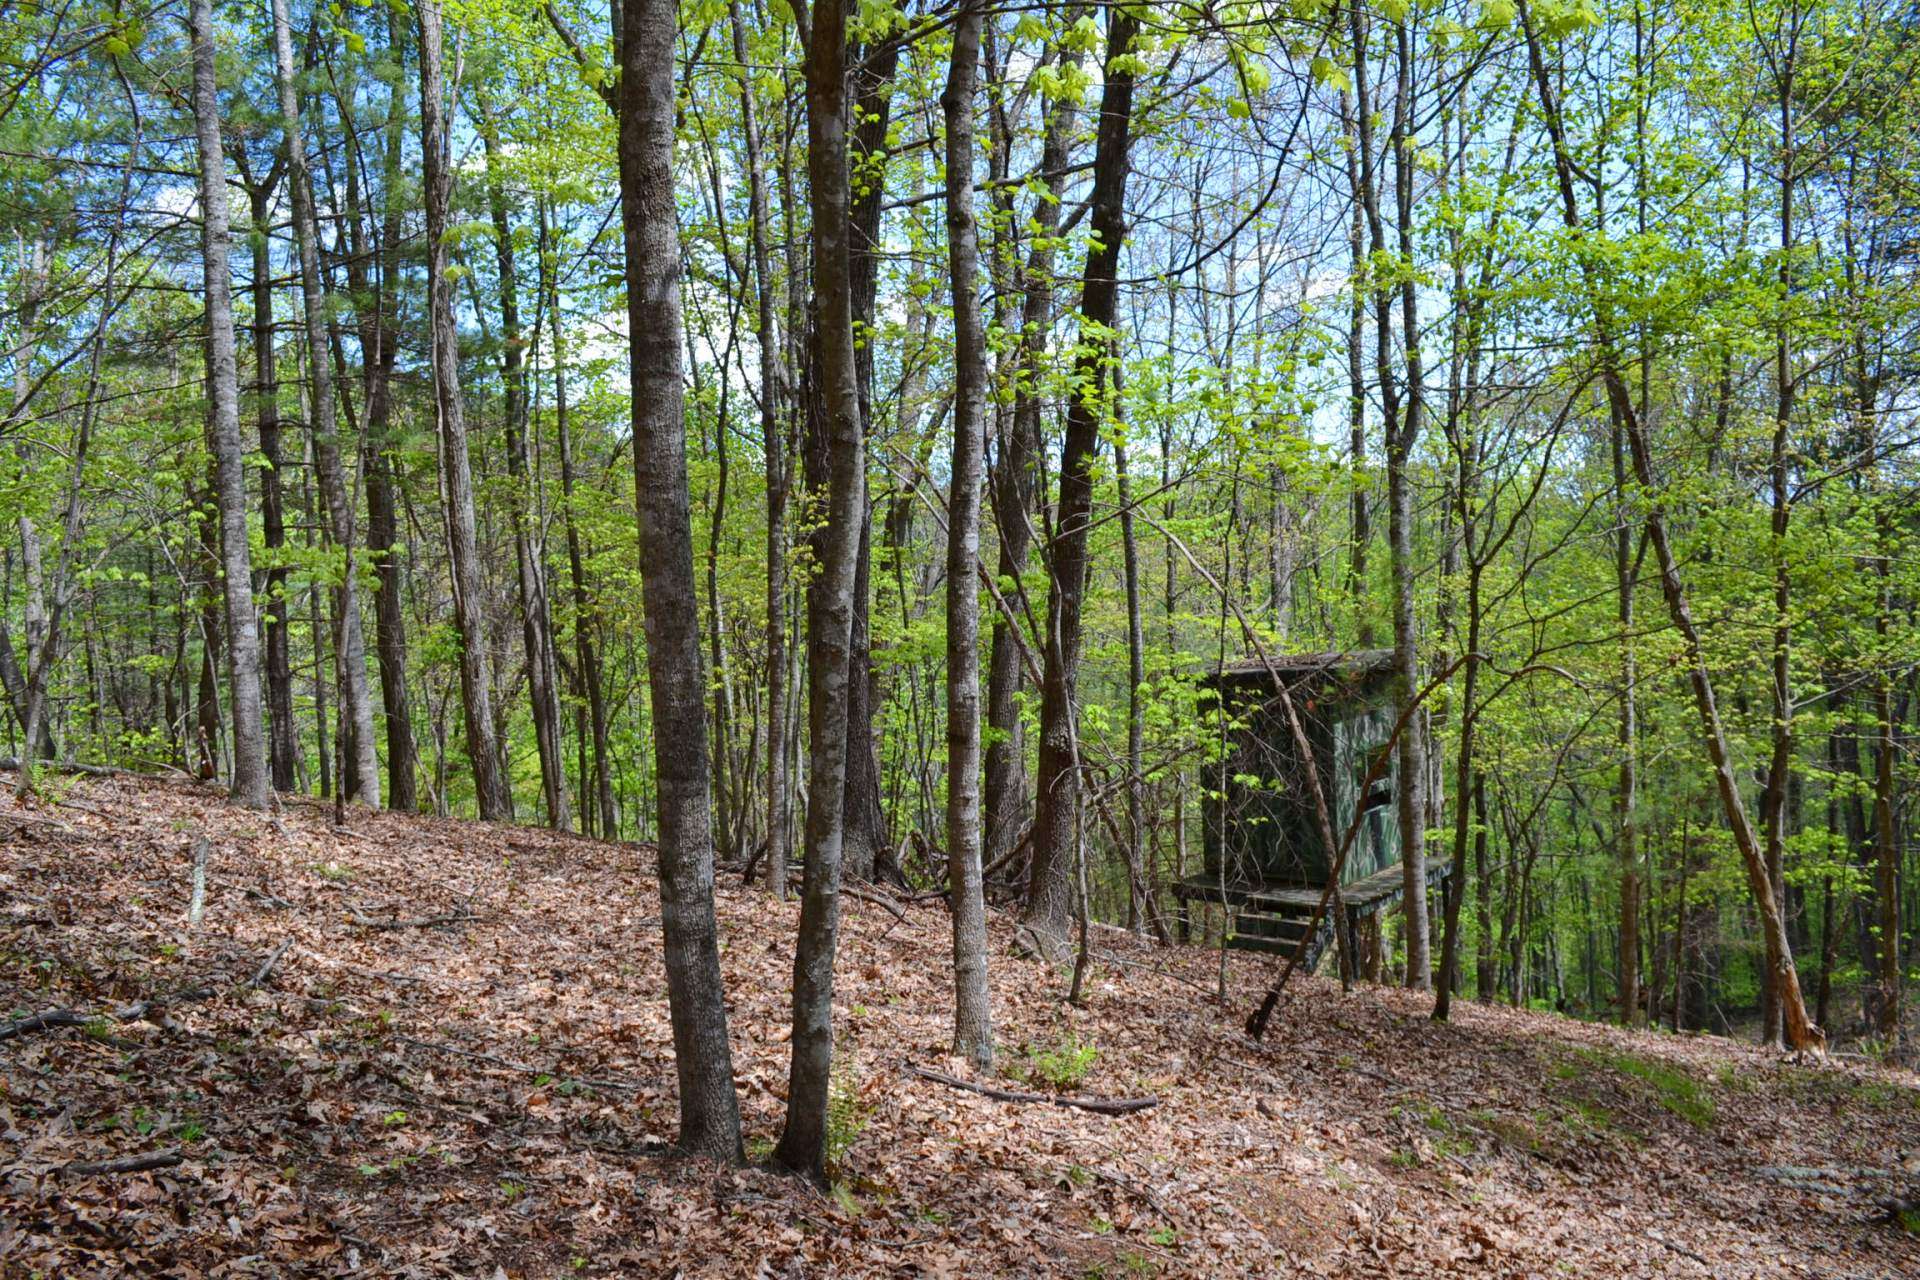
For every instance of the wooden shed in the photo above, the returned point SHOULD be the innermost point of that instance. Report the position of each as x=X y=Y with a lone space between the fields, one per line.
x=1266 y=863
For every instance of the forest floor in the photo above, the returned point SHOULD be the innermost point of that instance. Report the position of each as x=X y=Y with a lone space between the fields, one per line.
x=459 y=1064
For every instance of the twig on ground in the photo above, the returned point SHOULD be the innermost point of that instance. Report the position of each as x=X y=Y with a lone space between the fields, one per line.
x=1099 y=1106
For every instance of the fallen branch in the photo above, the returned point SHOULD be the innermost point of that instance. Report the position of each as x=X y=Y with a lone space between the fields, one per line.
x=260 y=896
x=63 y=766
x=197 y=903
x=1100 y=1106
x=425 y=922
x=265 y=971
x=43 y=1022
x=127 y=1164
x=141 y=1008
x=878 y=900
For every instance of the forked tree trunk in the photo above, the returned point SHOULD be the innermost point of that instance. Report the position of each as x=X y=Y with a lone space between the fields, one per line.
x=972 y=1013
x=703 y=1058
x=456 y=470
x=250 y=779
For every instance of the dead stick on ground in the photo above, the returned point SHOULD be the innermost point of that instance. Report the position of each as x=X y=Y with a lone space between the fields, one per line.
x=425 y=922
x=197 y=906
x=1100 y=1106
x=128 y=1164
x=43 y=1022
x=265 y=971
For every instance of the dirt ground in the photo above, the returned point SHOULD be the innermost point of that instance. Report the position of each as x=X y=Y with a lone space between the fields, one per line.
x=457 y=1063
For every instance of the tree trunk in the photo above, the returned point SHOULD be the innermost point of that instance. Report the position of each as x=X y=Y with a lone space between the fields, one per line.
x=283 y=737
x=1056 y=821
x=1801 y=1034
x=1627 y=788
x=1141 y=906
x=536 y=617
x=469 y=609
x=1412 y=752
x=866 y=845
x=972 y=1014
x=1886 y=866
x=379 y=344
x=830 y=598
x=361 y=780
x=703 y=1058
x=250 y=778
x=586 y=617
x=772 y=434
x=1015 y=489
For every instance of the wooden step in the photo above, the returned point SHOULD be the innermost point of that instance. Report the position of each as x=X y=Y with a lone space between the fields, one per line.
x=1280 y=933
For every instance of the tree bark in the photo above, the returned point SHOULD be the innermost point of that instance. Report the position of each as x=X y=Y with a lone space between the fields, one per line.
x=283 y=738
x=469 y=609
x=830 y=597
x=973 y=1014
x=250 y=782
x=1410 y=795
x=703 y=1058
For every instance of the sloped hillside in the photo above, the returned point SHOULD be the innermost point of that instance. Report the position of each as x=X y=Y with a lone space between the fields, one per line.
x=424 y=1048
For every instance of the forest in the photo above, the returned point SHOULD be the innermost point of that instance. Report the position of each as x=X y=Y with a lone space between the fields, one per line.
x=1026 y=470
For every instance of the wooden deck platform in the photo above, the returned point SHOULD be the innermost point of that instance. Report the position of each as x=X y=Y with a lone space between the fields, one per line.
x=1381 y=889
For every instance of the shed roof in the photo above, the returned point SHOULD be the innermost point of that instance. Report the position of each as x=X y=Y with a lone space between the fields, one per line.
x=1348 y=663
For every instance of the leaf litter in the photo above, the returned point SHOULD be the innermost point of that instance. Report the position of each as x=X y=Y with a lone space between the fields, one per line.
x=458 y=1063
